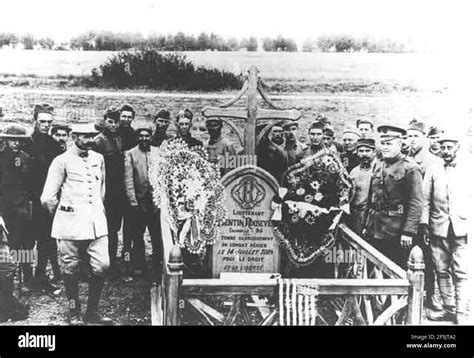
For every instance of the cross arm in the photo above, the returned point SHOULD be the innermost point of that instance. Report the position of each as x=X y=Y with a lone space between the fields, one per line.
x=224 y=112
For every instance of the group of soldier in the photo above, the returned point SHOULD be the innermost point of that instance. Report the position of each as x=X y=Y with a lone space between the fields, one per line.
x=70 y=189
x=409 y=188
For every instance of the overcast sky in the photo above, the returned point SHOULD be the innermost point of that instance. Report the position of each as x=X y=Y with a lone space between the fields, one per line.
x=426 y=23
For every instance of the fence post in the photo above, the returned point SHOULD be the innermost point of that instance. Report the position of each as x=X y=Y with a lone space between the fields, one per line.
x=416 y=277
x=173 y=282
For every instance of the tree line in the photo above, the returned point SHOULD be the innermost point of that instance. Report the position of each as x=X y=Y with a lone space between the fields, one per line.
x=118 y=41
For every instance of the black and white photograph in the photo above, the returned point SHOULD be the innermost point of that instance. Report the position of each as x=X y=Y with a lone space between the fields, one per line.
x=236 y=163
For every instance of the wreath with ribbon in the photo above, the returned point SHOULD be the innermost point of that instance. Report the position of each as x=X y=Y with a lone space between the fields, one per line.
x=314 y=194
x=187 y=189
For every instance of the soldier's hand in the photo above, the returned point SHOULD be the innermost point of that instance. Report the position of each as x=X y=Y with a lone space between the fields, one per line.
x=406 y=241
x=424 y=231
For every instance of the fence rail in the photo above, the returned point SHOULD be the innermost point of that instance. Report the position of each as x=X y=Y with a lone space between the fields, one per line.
x=406 y=285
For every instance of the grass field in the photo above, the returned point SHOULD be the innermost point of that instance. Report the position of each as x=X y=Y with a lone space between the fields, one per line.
x=367 y=72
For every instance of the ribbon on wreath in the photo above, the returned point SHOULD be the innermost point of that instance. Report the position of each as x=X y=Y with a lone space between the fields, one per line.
x=190 y=227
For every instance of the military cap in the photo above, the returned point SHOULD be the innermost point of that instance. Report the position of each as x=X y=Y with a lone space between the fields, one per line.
x=351 y=131
x=364 y=120
x=140 y=125
x=14 y=131
x=448 y=137
x=329 y=131
x=366 y=142
x=60 y=126
x=42 y=108
x=317 y=125
x=323 y=119
x=112 y=112
x=389 y=132
x=416 y=125
x=84 y=128
x=128 y=108
x=185 y=113
x=213 y=119
x=434 y=131
x=287 y=125
x=163 y=114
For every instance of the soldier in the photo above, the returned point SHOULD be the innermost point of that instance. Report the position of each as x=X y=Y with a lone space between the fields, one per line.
x=109 y=144
x=446 y=206
x=10 y=307
x=315 y=133
x=419 y=152
x=395 y=200
x=129 y=140
x=73 y=194
x=365 y=127
x=361 y=176
x=328 y=139
x=17 y=192
x=270 y=155
x=349 y=157
x=139 y=195
x=217 y=146
x=162 y=121
x=293 y=147
x=43 y=150
x=184 y=121
x=434 y=134
x=60 y=133
x=125 y=131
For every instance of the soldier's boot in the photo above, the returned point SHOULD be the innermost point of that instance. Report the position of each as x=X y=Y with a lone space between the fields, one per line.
x=71 y=285
x=96 y=284
x=113 y=247
x=446 y=315
x=27 y=272
x=55 y=263
x=10 y=307
x=433 y=302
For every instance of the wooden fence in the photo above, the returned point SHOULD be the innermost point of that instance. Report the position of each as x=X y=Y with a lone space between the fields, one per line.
x=404 y=287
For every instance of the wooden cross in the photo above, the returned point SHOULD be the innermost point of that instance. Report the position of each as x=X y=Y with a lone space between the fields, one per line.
x=252 y=113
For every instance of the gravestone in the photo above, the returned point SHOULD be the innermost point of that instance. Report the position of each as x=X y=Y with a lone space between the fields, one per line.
x=247 y=241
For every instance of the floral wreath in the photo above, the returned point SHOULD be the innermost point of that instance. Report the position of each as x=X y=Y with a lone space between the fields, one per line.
x=186 y=187
x=313 y=196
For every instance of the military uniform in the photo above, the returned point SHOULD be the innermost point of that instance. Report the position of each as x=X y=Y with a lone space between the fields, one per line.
x=74 y=192
x=218 y=149
x=395 y=205
x=311 y=150
x=272 y=158
x=110 y=146
x=158 y=138
x=294 y=151
x=446 y=207
x=190 y=140
x=17 y=201
x=361 y=177
x=43 y=150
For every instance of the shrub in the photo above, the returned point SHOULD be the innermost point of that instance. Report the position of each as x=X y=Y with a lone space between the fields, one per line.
x=170 y=71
